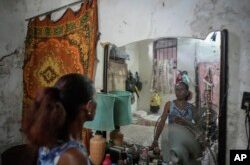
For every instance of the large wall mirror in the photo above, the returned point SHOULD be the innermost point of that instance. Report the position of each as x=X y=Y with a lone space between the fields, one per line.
x=157 y=64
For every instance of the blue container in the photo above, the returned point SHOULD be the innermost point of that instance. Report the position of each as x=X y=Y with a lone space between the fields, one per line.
x=122 y=108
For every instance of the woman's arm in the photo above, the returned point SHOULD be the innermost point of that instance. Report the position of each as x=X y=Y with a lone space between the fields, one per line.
x=73 y=157
x=161 y=123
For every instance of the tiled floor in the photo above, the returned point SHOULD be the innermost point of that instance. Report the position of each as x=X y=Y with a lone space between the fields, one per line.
x=141 y=131
x=138 y=134
x=143 y=118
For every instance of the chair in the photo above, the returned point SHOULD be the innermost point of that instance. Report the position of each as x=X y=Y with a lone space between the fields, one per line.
x=19 y=155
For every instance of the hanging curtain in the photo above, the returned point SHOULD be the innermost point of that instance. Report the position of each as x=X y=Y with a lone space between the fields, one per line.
x=203 y=69
x=53 y=49
x=164 y=65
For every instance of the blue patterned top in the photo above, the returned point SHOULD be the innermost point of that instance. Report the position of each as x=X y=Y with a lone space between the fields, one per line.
x=51 y=156
x=176 y=112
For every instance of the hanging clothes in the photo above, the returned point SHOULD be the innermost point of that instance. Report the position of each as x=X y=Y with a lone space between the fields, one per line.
x=164 y=65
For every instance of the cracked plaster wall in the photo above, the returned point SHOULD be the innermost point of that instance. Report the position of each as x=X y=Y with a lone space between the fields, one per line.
x=122 y=22
x=11 y=38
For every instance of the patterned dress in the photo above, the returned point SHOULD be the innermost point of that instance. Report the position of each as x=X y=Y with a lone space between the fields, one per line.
x=176 y=112
x=179 y=133
x=51 y=156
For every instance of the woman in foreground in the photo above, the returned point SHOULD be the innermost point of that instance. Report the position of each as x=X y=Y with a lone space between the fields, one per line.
x=54 y=122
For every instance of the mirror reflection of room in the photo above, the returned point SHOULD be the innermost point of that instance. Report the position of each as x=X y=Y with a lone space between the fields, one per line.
x=151 y=69
x=159 y=67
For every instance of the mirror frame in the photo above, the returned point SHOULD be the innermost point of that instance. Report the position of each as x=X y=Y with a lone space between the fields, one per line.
x=221 y=156
x=223 y=98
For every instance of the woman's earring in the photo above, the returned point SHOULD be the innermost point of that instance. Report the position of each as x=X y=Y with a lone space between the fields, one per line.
x=89 y=112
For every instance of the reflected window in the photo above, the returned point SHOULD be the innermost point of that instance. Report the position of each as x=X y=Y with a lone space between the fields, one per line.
x=164 y=65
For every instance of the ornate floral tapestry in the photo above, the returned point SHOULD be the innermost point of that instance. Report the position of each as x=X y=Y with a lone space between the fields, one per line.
x=53 y=49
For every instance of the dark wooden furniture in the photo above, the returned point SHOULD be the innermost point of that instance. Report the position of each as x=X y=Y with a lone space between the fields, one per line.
x=19 y=155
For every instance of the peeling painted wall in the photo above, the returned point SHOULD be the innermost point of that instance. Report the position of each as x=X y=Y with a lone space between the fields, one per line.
x=122 y=22
x=12 y=35
x=10 y=100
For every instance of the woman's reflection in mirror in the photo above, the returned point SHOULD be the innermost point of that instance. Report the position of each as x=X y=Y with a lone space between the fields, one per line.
x=178 y=111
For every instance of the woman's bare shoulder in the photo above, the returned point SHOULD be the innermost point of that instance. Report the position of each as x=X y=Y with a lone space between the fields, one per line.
x=73 y=157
